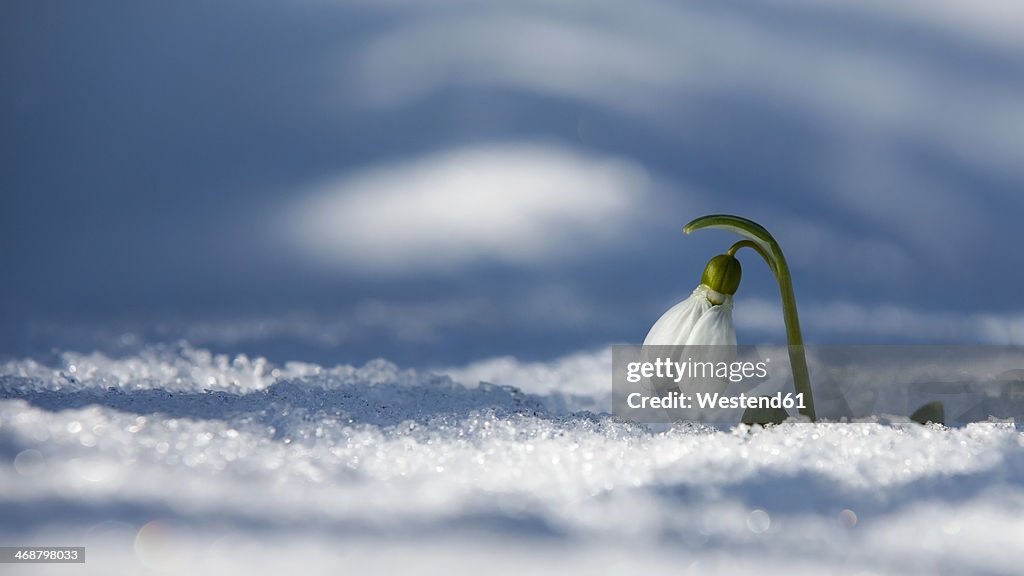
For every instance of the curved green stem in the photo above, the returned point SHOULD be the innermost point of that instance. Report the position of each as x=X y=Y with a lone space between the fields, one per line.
x=765 y=244
x=756 y=247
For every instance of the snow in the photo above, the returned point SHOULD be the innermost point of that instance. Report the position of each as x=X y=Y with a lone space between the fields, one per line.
x=175 y=460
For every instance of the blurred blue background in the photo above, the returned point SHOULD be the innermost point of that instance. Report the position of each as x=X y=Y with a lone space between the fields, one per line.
x=436 y=182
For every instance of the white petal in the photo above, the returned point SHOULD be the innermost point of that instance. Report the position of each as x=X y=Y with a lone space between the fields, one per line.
x=674 y=327
x=713 y=339
x=714 y=327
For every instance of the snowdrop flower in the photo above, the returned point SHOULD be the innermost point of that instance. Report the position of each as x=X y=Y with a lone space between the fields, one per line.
x=699 y=328
x=723 y=279
x=705 y=318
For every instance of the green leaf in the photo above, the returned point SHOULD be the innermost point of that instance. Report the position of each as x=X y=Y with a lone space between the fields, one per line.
x=742 y=226
x=930 y=412
x=764 y=416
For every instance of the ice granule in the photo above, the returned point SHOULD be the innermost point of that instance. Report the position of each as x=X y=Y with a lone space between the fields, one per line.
x=230 y=455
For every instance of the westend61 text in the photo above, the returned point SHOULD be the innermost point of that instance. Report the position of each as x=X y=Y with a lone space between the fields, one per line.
x=709 y=400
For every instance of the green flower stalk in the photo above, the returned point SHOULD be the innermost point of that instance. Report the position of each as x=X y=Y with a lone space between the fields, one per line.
x=762 y=242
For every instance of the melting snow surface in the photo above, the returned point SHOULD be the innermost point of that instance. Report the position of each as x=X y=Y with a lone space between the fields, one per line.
x=174 y=460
